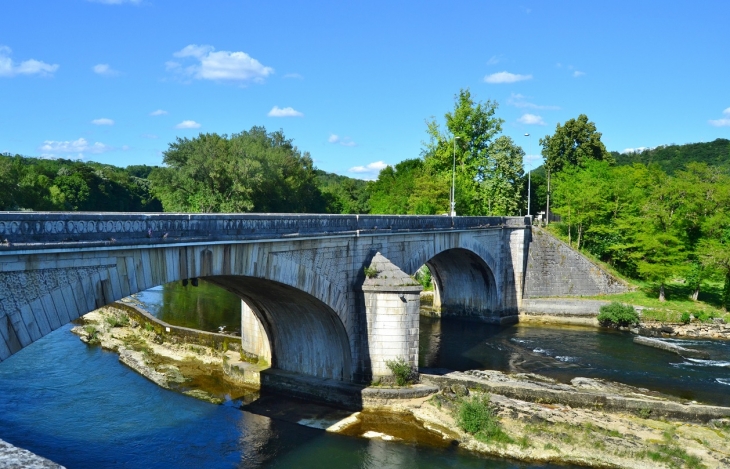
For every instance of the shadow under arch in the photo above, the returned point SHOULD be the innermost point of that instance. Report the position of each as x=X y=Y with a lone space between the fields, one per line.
x=305 y=335
x=464 y=285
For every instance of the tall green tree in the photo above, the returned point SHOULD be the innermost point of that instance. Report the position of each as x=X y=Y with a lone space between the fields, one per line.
x=252 y=170
x=502 y=178
x=573 y=144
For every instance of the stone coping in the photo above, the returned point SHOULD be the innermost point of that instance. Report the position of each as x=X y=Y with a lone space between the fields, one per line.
x=45 y=230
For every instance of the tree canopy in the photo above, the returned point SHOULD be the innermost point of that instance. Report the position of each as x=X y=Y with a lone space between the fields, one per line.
x=250 y=171
x=488 y=168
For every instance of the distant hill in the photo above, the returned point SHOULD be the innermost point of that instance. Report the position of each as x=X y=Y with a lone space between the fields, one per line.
x=672 y=158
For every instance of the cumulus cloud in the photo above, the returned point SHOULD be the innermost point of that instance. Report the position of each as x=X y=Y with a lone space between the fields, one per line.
x=104 y=70
x=723 y=122
x=9 y=68
x=344 y=141
x=369 y=171
x=578 y=74
x=187 y=125
x=531 y=119
x=54 y=148
x=210 y=64
x=276 y=111
x=103 y=121
x=634 y=150
x=159 y=112
x=520 y=101
x=506 y=77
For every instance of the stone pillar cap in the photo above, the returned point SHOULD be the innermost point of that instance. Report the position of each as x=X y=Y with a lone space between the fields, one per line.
x=389 y=277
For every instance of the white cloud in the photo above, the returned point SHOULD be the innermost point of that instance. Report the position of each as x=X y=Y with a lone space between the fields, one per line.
x=494 y=60
x=531 y=119
x=52 y=148
x=219 y=66
x=8 y=68
x=520 y=101
x=723 y=122
x=345 y=141
x=104 y=70
x=294 y=75
x=578 y=74
x=506 y=77
x=187 y=125
x=159 y=112
x=635 y=150
x=276 y=111
x=369 y=171
x=103 y=121
x=116 y=2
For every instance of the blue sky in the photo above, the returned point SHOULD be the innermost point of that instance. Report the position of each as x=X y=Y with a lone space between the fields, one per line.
x=353 y=83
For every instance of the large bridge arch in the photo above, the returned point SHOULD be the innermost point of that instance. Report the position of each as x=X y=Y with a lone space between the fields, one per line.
x=305 y=335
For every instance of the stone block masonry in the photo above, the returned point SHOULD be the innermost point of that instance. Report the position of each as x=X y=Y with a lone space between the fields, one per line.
x=301 y=276
x=554 y=269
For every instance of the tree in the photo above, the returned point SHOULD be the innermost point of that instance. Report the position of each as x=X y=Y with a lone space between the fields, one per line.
x=573 y=144
x=502 y=178
x=252 y=170
x=468 y=137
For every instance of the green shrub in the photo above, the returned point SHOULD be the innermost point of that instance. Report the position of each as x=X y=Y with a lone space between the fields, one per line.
x=618 y=315
x=476 y=416
x=401 y=370
x=93 y=335
x=371 y=272
x=686 y=317
x=117 y=321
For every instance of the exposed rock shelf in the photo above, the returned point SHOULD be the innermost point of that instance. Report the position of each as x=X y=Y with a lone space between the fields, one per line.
x=669 y=347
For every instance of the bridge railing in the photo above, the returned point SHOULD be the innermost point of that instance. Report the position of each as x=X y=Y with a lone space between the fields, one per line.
x=44 y=230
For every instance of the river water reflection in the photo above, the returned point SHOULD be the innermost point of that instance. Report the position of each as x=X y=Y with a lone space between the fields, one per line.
x=80 y=407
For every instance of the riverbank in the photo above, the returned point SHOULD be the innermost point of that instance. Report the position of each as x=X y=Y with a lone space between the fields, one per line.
x=545 y=421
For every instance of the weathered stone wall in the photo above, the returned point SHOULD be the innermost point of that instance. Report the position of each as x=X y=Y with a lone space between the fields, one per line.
x=254 y=341
x=555 y=269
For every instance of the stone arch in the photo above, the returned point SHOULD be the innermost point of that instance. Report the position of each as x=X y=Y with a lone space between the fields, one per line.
x=464 y=285
x=305 y=335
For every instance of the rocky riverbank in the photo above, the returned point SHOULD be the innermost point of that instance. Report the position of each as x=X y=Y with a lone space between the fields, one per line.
x=548 y=430
x=587 y=422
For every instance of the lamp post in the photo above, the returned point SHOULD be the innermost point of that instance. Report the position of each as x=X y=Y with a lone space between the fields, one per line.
x=529 y=182
x=453 y=181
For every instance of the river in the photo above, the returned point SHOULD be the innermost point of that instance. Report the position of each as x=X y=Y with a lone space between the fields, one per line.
x=80 y=407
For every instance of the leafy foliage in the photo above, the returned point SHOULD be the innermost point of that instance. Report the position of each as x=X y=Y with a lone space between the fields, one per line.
x=674 y=158
x=475 y=415
x=402 y=371
x=252 y=170
x=487 y=168
x=42 y=184
x=617 y=315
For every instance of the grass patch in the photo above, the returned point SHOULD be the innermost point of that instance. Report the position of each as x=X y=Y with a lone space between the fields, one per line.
x=93 y=334
x=678 y=302
x=117 y=320
x=476 y=416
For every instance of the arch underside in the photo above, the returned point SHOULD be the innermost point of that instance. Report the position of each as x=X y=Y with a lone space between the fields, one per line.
x=464 y=285
x=306 y=336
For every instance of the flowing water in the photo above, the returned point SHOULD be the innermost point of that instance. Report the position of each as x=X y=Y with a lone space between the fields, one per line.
x=564 y=352
x=80 y=407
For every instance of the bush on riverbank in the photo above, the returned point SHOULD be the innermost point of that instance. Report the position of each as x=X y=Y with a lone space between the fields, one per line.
x=618 y=315
x=476 y=416
x=402 y=371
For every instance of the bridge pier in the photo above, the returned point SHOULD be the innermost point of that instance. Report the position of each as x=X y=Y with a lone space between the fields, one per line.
x=392 y=304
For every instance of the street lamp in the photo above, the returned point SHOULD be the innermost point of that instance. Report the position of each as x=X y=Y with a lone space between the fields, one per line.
x=529 y=182
x=453 y=180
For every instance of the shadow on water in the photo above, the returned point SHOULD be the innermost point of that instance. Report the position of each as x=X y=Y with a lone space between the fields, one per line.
x=80 y=407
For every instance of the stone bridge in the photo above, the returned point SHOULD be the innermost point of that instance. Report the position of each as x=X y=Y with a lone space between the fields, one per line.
x=301 y=277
